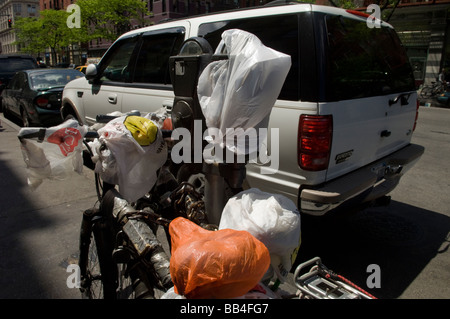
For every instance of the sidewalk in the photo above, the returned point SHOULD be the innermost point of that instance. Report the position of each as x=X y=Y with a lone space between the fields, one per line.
x=39 y=229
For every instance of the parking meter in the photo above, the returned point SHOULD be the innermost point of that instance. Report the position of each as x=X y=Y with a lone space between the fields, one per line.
x=185 y=69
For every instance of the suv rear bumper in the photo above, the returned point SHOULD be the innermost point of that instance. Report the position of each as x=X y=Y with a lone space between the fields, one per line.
x=377 y=179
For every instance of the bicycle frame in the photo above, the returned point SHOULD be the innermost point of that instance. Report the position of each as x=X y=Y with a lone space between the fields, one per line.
x=125 y=236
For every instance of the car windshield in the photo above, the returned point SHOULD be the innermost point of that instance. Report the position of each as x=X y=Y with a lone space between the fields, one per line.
x=52 y=78
x=15 y=64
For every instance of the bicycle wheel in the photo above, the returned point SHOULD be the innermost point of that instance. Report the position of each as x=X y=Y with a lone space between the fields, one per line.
x=138 y=276
x=98 y=271
x=426 y=92
x=438 y=90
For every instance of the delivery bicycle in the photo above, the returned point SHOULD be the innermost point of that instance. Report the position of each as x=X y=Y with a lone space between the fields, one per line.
x=131 y=258
x=125 y=239
x=432 y=90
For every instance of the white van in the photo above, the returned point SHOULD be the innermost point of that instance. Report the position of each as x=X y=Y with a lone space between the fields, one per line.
x=345 y=114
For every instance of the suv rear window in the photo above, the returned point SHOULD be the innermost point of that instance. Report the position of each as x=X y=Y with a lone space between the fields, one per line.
x=364 y=62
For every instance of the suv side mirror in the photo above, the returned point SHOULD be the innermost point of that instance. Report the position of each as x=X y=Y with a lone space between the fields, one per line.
x=91 y=72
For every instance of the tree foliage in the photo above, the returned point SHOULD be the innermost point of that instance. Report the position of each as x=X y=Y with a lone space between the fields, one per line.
x=108 y=19
x=100 y=19
x=34 y=35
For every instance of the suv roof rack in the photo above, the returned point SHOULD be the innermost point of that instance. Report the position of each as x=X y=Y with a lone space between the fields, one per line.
x=280 y=3
x=269 y=4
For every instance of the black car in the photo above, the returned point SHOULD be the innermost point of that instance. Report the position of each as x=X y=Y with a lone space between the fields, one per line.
x=10 y=64
x=35 y=95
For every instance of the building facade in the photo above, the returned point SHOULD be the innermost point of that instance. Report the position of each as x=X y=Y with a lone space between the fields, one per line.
x=10 y=10
x=73 y=54
x=55 y=4
x=174 y=9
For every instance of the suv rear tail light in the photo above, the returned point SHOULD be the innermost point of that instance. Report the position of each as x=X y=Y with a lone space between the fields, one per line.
x=417 y=115
x=315 y=133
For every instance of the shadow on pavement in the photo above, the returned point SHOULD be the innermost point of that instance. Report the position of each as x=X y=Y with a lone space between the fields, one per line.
x=18 y=219
x=39 y=228
x=400 y=238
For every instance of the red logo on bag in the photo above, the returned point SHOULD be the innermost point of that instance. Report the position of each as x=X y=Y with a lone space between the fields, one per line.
x=66 y=138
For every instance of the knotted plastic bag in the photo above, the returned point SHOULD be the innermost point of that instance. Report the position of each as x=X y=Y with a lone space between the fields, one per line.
x=215 y=264
x=238 y=93
x=135 y=150
x=271 y=218
x=143 y=130
x=52 y=153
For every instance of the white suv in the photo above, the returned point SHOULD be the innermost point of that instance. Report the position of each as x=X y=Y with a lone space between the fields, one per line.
x=345 y=114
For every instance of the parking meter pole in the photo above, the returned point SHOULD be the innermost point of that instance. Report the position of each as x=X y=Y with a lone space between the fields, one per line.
x=215 y=198
x=222 y=181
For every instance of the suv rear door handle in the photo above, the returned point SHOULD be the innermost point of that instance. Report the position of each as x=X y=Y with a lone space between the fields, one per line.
x=385 y=133
x=112 y=98
x=402 y=97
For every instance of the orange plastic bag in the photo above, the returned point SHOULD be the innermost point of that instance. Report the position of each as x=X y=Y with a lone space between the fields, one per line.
x=215 y=264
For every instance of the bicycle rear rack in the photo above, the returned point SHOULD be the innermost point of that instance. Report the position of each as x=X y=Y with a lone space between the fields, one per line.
x=321 y=283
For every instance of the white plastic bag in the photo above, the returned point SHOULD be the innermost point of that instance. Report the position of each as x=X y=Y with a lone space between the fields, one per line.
x=171 y=294
x=238 y=93
x=52 y=153
x=126 y=163
x=271 y=218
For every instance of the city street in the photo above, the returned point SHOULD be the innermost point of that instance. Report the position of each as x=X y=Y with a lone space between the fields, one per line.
x=408 y=240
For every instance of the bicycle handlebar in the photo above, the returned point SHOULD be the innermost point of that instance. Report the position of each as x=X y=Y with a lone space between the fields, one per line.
x=94 y=134
x=103 y=118
x=139 y=233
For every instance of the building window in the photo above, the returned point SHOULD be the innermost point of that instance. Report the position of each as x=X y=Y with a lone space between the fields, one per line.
x=31 y=9
x=17 y=8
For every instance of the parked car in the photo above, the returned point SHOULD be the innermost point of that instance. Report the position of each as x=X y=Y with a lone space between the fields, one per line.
x=11 y=63
x=35 y=95
x=63 y=65
x=345 y=115
x=444 y=99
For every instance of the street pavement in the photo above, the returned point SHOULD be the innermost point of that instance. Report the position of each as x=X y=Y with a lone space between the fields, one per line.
x=408 y=240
